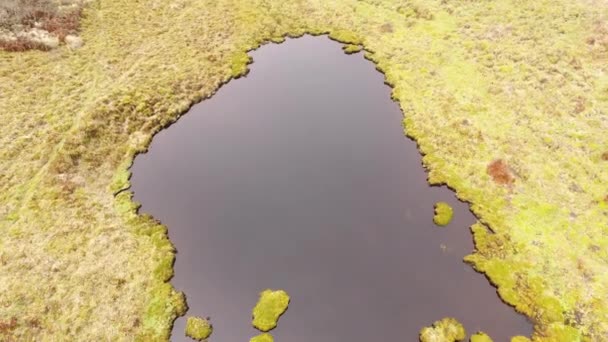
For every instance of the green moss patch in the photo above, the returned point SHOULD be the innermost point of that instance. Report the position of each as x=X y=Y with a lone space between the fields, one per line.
x=445 y=330
x=480 y=337
x=351 y=48
x=443 y=214
x=270 y=306
x=198 y=328
x=264 y=337
x=525 y=339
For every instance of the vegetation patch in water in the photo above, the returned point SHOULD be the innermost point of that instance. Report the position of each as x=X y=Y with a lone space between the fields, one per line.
x=198 y=328
x=264 y=337
x=443 y=214
x=480 y=337
x=445 y=330
x=351 y=48
x=270 y=306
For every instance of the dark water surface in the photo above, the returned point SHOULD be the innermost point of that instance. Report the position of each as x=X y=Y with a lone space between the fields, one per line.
x=299 y=177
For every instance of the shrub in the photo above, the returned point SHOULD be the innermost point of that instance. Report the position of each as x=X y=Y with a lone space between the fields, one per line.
x=500 y=172
x=19 y=18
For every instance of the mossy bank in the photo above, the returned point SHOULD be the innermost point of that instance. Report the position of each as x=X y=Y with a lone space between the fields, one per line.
x=520 y=82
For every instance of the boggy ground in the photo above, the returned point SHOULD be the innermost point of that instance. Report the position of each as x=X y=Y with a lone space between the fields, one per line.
x=507 y=99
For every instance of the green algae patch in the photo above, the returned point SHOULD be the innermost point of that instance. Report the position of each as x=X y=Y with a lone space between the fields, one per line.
x=443 y=214
x=264 y=337
x=198 y=328
x=480 y=337
x=445 y=330
x=270 y=306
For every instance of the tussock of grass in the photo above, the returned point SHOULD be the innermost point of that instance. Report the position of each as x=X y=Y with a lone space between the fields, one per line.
x=264 y=337
x=480 y=337
x=270 y=306
x=351 y=48
x=443 y=214
x=445 y=330
x=198 y=328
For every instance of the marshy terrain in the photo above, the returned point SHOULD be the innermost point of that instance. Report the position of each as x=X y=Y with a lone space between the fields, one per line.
x=299 y=177
x=507 y=101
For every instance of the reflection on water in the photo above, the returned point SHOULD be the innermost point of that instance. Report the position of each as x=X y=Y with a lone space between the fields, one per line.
x=299 y=177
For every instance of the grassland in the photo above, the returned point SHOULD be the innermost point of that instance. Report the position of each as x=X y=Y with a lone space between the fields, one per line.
x=507 y=100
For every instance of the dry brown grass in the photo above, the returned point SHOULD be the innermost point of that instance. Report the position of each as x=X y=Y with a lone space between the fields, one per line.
x=7 y=326
x=22 y=44
x=17 y=17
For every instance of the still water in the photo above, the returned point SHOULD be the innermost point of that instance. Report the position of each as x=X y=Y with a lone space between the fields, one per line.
x=299 y=177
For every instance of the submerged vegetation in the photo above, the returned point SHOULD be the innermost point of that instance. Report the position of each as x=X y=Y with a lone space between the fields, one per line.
x=270 y=306
x=443 y=214
x=445 y=330
x=507 y=100
x=198 y=328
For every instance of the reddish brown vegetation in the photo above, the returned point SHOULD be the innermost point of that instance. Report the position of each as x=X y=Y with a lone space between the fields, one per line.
x=500 y=172
x=579 y=105
x=605 y=156
x=386 y=28
x=599 y=36
x=22 y=44
x=33 y=323
x=63 y=25
x=6 y=327
x=42 y=15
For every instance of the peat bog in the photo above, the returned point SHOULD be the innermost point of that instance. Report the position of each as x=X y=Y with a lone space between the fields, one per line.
x=299 y=177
